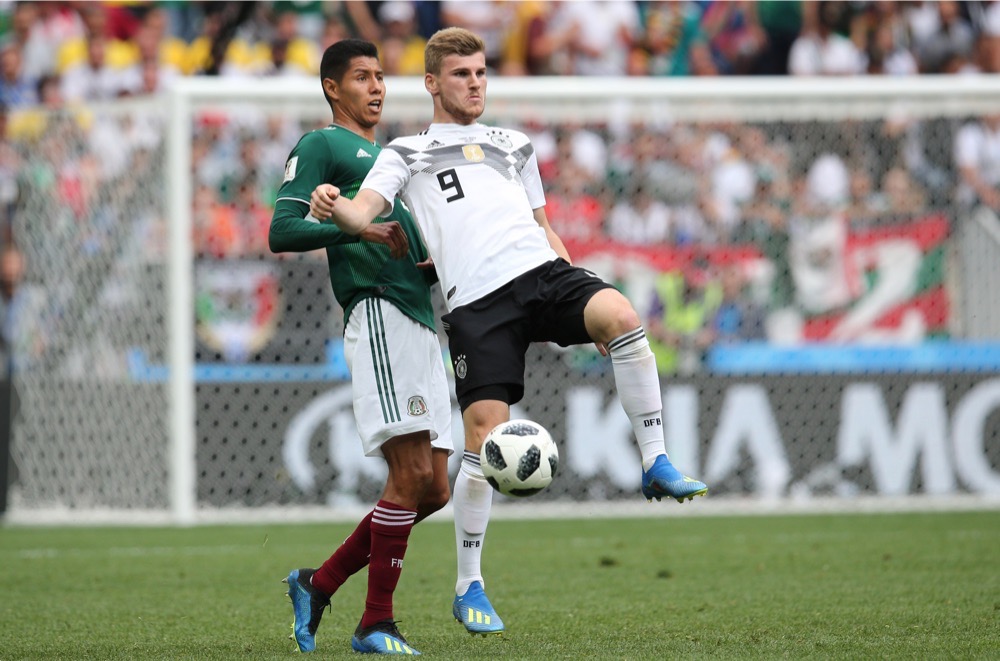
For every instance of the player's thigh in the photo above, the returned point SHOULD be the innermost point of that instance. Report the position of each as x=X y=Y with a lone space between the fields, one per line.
x=396 y=376
x=563 y=295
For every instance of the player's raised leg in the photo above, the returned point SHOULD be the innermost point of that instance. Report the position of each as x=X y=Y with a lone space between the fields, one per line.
x=472 y=500
x=611 y=320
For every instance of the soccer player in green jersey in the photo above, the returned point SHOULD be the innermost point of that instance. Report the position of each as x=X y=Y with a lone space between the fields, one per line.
x=401 y=400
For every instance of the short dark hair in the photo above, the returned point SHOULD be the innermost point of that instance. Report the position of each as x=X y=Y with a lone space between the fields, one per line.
x=338 y=57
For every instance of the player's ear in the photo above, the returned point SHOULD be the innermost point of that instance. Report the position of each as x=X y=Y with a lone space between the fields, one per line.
x=430 y=83
x=331 y=88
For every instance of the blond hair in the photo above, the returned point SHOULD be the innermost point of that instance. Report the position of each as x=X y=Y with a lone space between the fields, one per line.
x=450 y=41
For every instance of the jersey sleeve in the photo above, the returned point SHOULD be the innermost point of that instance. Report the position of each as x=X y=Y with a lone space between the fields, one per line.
x=292 y=229
x=389 y=175
x=310 y=164
x=532 y=180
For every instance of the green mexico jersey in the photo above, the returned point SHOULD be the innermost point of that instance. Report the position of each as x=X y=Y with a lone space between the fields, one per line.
x=358 y=269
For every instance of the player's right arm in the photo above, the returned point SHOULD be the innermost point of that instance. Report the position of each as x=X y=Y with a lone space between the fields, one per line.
x=350 y=215
x=294 y=230
x=388 y=176
x=356 y=216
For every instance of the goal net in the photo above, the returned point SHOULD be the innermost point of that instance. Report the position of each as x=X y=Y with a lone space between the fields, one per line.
x=803 y=254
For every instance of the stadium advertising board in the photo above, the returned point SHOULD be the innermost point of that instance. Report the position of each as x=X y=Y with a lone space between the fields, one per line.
x=768 y=437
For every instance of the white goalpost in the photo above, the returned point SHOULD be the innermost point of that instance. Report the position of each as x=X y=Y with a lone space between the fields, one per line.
x=182 y=374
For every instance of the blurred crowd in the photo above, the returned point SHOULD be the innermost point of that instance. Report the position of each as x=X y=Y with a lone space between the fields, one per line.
x=700 y=183
x=679 y=186
x=99 y=50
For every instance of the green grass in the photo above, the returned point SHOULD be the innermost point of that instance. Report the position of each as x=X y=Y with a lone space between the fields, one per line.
x=906 y=586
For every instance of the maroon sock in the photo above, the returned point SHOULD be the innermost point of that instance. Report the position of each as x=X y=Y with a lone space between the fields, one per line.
x=350 y=558
x=391 y=525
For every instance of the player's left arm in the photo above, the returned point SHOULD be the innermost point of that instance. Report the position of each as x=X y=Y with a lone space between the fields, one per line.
x=551 y=235
x=531 y=178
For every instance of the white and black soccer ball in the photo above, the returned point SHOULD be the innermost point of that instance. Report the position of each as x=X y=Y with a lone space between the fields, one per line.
x=519 y=458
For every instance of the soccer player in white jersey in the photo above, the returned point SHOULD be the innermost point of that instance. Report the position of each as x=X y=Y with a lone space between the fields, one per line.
x=476 y=195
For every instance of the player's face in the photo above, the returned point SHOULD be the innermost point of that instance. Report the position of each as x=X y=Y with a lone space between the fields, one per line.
x=461 y=87
x=360 y=93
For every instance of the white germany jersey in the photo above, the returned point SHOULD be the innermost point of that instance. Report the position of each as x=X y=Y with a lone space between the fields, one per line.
x=472 y=190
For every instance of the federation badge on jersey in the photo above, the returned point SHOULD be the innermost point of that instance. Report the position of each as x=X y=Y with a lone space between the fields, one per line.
x=290 y=168
x=461 y=369
x=473 y=153
x=416 y=406
x=500 y=140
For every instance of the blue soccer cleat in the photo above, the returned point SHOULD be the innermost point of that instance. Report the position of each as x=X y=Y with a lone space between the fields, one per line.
x=381 y=638
x=307 y=608
x=474 y=610
x=662 y=479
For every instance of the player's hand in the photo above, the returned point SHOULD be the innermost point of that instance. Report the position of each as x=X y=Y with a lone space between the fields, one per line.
x=390 y=234
x=427 y=270
x=601 y=348
x=322 y=200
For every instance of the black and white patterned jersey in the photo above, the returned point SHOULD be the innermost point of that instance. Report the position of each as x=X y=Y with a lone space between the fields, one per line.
x=472 y=190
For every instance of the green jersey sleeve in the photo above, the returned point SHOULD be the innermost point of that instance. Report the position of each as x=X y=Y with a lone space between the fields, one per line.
x=310 y=164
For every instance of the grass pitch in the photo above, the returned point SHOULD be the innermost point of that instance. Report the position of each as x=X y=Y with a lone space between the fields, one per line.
x=901 y=586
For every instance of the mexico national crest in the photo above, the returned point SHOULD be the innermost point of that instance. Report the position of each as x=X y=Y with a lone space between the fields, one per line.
x=416 y=406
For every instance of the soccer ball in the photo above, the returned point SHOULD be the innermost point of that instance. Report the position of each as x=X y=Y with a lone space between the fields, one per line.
x=519 y=458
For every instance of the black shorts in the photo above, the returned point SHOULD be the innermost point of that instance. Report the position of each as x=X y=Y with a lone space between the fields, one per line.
x=489 y=337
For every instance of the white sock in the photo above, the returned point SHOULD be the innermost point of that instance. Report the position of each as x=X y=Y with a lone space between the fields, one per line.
x=638 y=386
x=472 y=499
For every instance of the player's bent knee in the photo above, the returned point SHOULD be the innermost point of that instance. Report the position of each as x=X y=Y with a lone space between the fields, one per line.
x=435 y=499
x=623 y=315
x=421 y=478
x=412 y=482
x=609 y=315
